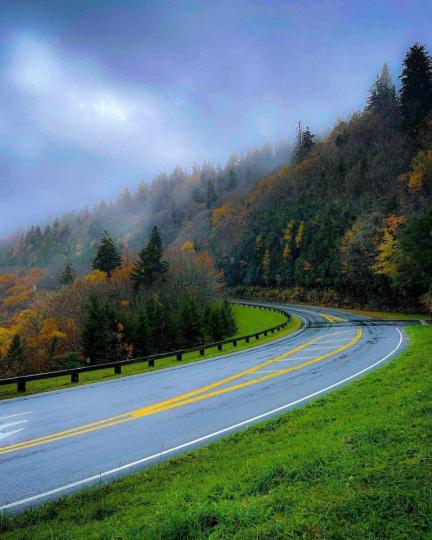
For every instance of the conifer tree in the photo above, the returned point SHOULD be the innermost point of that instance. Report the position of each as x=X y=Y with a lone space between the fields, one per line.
x=96 y=335
x=416 y=92
x=150 y=268
x=68 y=275
x=382 y=97
x=142 y=339
x=191 y=323
x=107 y=256
x=211 y=198
x=229 y=319
x=15 y=356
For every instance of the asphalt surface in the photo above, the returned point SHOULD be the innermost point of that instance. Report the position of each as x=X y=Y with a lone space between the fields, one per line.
x=55 y=443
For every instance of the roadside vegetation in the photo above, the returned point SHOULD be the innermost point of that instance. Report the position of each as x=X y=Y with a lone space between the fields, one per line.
x=354 y=464
x=248 y=320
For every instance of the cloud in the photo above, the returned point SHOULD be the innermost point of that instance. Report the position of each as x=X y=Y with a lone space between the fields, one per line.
x=60 y=99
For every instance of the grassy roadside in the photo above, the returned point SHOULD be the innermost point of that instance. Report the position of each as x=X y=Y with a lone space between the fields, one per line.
x=355 y=464
x=249 y=320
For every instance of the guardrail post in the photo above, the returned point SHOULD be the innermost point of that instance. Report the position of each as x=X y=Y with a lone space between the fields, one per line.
x=265 y=333
x=151 y=362
x=219 y=346
x=21 y=386
x=234 y=343
x=257 y=336
x=202 y=351
x=179 y=356
x=74 y=377
x=117 y=369
x=246 y=339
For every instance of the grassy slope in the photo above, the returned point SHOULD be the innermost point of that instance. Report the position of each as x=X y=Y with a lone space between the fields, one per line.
x=354 y=464
x=249 y=320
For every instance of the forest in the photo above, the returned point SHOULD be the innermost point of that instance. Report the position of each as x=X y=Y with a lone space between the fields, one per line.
x=342 y=220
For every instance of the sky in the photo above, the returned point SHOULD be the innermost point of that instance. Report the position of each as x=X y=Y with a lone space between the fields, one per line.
x=99 y=94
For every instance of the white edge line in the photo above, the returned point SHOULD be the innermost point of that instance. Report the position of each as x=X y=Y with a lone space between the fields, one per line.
x=97 y=477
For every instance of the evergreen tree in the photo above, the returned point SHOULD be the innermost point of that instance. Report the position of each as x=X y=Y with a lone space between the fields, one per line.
x=15 y=358
x=191 y=323
x=382 y=97
x=68 y=275
x=229 y=319
x=416 y=92
x=107 y=256
x=150 y=268
x=142 y=338
x=211 y=198
x=304 y=144
x=96 y=332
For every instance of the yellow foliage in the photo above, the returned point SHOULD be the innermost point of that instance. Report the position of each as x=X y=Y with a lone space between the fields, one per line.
x=299 y=235
x=16 y=300
x=95 y=276
x=8 y=279
x=385 y=261
x=6 y=336
x=187 y=246
x=421 y=169
x=50 y=330
x=287 y=236
x=220 y=213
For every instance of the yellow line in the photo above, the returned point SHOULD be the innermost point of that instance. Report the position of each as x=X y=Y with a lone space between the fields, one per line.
x=186 y=398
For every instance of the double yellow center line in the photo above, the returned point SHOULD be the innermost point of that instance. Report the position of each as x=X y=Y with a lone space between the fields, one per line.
x=205 y=392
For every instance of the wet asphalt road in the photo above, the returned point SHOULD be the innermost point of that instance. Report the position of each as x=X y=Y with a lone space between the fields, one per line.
x=55 y=443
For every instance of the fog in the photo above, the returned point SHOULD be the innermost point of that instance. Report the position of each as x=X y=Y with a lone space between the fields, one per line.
x=98 y=95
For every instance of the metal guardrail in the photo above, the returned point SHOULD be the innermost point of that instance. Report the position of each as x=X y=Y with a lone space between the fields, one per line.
x=74 y=373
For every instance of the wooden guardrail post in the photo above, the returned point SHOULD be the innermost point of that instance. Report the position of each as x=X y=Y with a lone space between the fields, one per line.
x=219 y=346
x=74 y=377
x=202 y=351
x=179 y=356
x=151 y=362
x=21 y=385
x=234 y=343
x=117 y=369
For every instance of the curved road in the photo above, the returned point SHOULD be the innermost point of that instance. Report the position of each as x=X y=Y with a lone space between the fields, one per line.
x=54 y=443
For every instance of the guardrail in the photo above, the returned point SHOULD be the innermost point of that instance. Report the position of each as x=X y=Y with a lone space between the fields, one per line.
x=74 y=373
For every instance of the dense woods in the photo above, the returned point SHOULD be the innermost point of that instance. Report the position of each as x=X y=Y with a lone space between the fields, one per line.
x=346 y=220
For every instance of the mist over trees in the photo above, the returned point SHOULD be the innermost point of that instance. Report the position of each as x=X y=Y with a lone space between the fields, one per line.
x=346 y=220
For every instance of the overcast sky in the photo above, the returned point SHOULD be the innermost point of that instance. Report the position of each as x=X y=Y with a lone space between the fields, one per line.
x=98 y=94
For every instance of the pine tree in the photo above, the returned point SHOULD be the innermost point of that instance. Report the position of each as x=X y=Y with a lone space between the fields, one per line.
x=68 y=275
x=416 y=92
x=150 y=268
x=304 y=144
x=211 y=198
x=382 y=97
x=15 y=358
x=191 y=323
x=142 y=338
x=107 y=256
x=229 y=319
x=97 y=336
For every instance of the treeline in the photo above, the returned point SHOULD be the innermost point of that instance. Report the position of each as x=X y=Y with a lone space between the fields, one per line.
x=125 y=308
x=349 y=219
x=171 y=202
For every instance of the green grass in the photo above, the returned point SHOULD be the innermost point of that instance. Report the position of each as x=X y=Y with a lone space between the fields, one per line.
x=249 y=321
x=356 y=464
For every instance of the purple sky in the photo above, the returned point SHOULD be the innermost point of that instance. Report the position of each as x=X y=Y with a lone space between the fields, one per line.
x=95 y=95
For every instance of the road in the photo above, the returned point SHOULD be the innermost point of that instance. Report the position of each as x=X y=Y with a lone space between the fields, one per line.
x=55 y=443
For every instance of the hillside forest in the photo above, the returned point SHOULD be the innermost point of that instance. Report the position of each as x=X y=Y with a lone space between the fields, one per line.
x=343 y=220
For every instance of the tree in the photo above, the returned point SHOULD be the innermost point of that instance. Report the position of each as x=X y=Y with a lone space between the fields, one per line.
x=304 y=144
x=15 y=356
x=382 y=97
x=96 y=333
x=68 y=275
x=142 y=338
x=107 y=256
x=150 y=268
x=211 y=197
x=416 y=92
x=191 y=323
